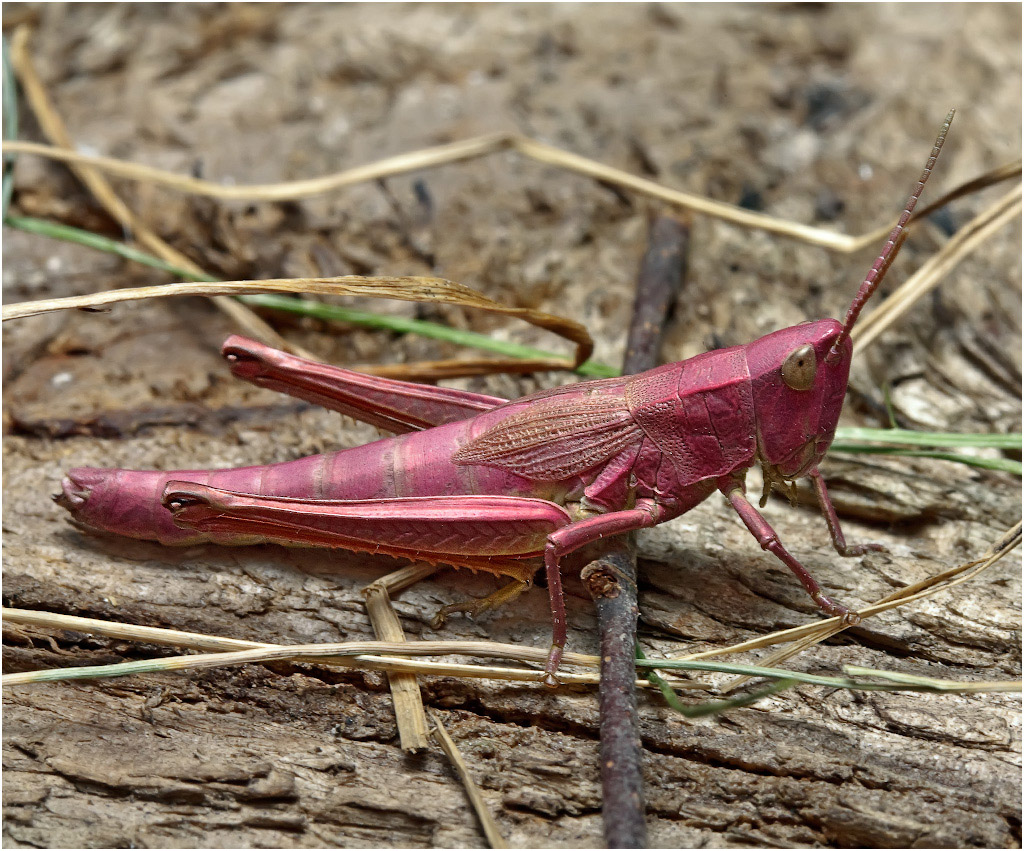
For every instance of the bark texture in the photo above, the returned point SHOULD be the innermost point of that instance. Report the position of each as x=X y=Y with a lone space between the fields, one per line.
x=820 y=114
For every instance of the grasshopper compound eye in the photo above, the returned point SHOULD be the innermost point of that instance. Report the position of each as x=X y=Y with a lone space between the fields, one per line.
x=799 y=368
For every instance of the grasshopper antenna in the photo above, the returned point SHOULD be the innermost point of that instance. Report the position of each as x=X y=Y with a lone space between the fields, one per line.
x=891 y=249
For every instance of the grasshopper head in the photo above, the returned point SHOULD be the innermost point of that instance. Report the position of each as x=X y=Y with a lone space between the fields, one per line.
x=799 y=374
x=798 y=393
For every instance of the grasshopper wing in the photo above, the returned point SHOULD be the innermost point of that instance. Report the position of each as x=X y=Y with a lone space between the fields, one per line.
x=555 y=438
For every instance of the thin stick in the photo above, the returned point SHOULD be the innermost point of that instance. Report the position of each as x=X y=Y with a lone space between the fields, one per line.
x=54 y=128
x=611 y=579
x=658 y=282
x=476 y=800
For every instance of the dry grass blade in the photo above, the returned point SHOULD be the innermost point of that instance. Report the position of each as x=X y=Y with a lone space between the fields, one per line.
x=487 y=822
x=726 y=212
x=129 y=631
x=832 y=625
x=963 y=242
x=201 y=641
x=245 y=319
x=284 y=191
x=325 y=654
x=1009 y=171
x=437 y=290
x=816 y=633
x=389 y=664
x=480 y=146
x=405 y=689
x=488 y=672
x=405 y=577
x=304 y=652
x=1002 y=173
x=54 y=128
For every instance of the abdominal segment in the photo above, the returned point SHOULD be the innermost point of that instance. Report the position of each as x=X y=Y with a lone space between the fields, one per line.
x=128 y=502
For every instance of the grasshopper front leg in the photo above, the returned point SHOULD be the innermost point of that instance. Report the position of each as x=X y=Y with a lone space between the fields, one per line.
x=832 y=520
x=768 y=538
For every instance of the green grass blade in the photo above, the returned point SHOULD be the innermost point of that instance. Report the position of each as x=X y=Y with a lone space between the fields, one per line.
x=667 y=692
x=10 y=96
x=304 y=307
x=1005 y=465
x=702 y=710
x=403 y=325
x=907 y=443
x=918 y=684
x=55 y=230
x=906 y=437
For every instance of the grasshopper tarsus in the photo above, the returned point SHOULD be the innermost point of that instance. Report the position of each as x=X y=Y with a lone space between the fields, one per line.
x=861 y=549
x=849 y=618
x=550 y=678
x=835 y=530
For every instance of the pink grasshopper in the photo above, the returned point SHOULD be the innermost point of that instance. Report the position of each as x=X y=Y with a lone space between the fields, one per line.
x=481 y=482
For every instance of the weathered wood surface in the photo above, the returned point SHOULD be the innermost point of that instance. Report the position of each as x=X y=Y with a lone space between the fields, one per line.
x=798 y=110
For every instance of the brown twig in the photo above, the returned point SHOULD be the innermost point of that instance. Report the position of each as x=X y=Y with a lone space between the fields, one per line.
x=658 y=282
x=611 y=579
